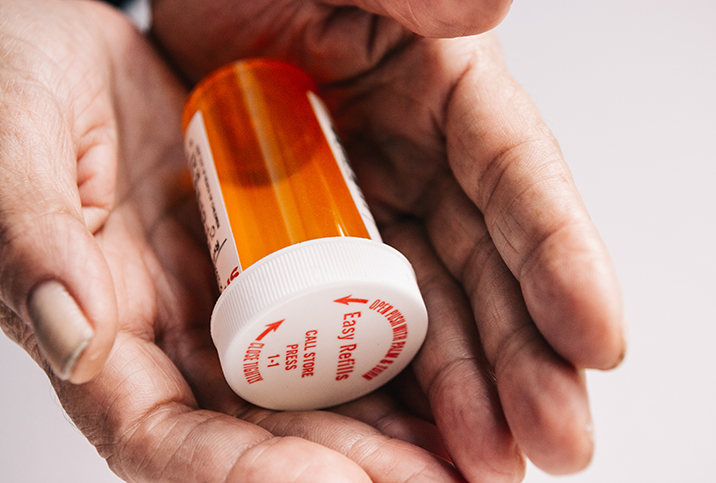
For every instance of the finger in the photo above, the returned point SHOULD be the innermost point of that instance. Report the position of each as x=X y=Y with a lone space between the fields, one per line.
x=56 y=164
x=385 y=460
x=382 y=412
x=330 y=43
x=511 y=167
x=544 y=398
x=406 y=389
x=450 y=18
x=142 y=418
x=454 y=373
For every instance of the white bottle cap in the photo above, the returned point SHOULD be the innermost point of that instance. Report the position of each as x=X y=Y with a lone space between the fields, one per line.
x=319 y=323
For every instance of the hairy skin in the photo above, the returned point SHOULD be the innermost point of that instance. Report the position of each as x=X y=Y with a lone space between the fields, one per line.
x=461 y=173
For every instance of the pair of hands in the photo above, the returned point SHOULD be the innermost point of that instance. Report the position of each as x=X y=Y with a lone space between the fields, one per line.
x=462 y=175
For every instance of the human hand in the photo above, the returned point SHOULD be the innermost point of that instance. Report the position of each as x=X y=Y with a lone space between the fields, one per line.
x=465 y=178
x=95 y=201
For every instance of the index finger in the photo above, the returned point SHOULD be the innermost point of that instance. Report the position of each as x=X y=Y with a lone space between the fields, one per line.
x=509 y=164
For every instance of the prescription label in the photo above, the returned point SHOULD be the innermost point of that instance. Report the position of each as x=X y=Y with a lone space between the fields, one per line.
x=217 y=228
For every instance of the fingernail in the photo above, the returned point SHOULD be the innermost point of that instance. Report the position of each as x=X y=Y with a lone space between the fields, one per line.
x=61 y=329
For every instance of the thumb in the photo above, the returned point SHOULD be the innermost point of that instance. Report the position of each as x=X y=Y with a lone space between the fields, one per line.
x=439 y=18
x=53 y=274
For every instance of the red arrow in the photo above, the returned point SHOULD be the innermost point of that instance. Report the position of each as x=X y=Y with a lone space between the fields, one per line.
x=270 y=328
x=348 y=299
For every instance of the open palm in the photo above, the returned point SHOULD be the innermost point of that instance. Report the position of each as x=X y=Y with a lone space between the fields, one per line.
x=462 y=177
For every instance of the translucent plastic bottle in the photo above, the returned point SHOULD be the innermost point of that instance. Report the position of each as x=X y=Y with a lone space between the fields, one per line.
x=315 y=310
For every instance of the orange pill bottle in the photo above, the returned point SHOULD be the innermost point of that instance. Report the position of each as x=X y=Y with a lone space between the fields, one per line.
x=314 y=309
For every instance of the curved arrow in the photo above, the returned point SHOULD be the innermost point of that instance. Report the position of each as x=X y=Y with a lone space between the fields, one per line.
x=270 y=328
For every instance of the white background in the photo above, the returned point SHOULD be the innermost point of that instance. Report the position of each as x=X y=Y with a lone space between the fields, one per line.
x=629 y=88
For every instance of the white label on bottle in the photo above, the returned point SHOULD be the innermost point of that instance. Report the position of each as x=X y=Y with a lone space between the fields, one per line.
x=217 y=228
x=329 y=130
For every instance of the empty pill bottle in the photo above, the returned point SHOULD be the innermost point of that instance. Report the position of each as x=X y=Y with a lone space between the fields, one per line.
x=314 y=309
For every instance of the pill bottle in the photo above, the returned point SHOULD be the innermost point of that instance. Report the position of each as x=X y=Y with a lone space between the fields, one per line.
x=314 y=309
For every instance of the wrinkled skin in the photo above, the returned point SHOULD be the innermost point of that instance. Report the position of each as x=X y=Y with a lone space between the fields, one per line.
x=462 y=175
